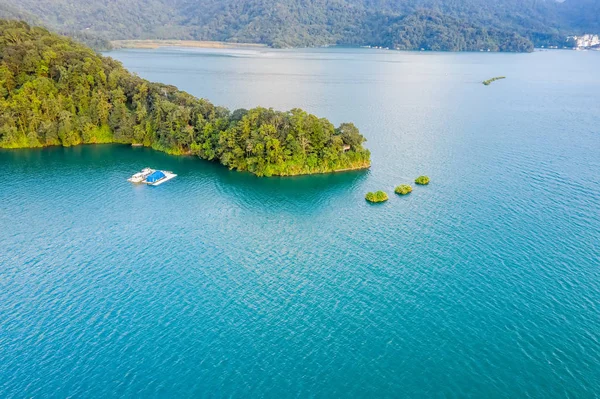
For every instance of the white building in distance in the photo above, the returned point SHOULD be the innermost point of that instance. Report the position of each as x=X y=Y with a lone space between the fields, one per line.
x=584 y=41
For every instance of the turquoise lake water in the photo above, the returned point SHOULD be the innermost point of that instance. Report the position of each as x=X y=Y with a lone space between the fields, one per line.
x=486 y=283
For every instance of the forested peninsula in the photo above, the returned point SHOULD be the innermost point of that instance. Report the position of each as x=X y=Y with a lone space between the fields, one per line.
x=54 y=91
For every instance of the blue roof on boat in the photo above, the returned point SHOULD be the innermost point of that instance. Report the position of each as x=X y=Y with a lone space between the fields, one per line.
x=155 y=176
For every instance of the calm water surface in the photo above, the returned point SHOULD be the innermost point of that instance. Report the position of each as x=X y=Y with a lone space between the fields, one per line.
x=486 y=283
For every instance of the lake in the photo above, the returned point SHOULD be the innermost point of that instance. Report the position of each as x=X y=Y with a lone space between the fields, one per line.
x=485 y=283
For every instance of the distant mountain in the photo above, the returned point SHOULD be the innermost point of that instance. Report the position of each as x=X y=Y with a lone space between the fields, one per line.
x=454 y=25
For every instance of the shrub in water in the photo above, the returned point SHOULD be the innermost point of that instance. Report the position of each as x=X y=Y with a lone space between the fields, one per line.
x=422 y=180
x=403 y=189
x=489 y=81
x=378 y=196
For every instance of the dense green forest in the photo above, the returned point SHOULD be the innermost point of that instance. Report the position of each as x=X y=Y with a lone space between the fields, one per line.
x=54 y=91
x=454 y=25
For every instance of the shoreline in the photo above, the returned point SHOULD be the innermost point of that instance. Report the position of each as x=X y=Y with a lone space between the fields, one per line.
x=154 y=44
x=187 y=154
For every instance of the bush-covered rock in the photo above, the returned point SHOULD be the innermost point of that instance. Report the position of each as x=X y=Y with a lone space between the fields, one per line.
x=403 y=189
x=422 y=180
x=489 y=81
x=378 y=196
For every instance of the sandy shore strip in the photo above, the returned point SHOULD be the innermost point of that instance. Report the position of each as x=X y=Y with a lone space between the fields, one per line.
x=154 y=44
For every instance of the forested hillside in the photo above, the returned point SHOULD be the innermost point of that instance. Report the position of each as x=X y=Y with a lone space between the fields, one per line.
x=54 y=91
x=504 y=25
x=584 y=15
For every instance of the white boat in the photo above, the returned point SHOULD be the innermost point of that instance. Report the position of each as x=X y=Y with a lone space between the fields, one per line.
x=152 y=177
x=159 y=177
x=141 y=176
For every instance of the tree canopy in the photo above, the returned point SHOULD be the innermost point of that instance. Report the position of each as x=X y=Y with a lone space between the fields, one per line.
x=54 y=91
